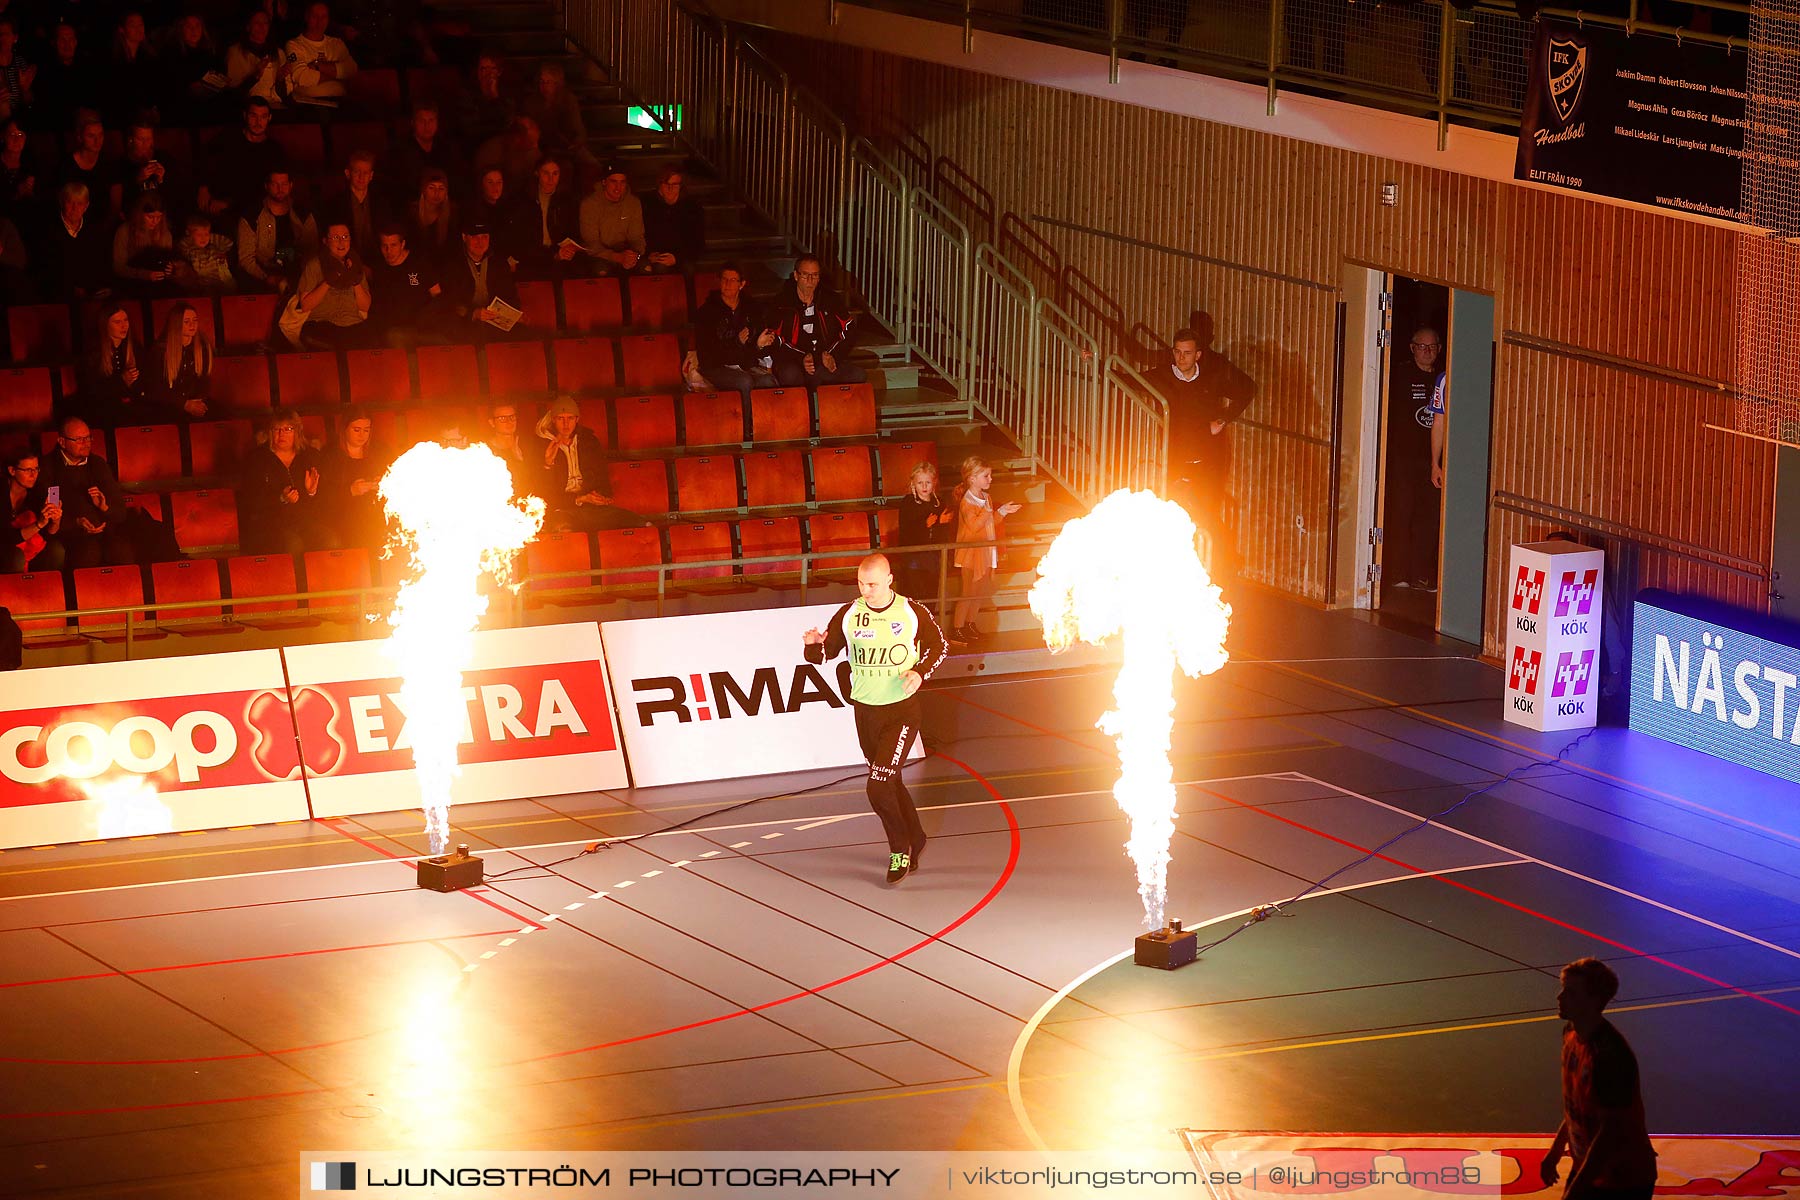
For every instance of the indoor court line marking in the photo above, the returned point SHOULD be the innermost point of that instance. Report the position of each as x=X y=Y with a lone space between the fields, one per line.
x=520 y=850
x=1561 y=870
x=1540 y=755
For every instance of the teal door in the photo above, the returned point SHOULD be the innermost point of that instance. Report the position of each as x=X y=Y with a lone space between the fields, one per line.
x=1469 y=412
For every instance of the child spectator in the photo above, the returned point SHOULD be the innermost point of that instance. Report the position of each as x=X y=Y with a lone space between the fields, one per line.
x=977 y=520
x=184 y=365
x=924 y=519
x=205 y=257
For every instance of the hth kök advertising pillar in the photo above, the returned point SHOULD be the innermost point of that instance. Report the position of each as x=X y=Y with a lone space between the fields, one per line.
x=1553 y=601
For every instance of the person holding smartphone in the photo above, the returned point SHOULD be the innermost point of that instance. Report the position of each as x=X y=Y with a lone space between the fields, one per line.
x=35 y=514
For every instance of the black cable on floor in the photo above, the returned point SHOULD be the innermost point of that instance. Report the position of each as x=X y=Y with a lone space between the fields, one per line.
x=1263 y=912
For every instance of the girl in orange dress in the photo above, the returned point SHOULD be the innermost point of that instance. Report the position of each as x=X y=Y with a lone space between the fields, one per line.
x=978 y=520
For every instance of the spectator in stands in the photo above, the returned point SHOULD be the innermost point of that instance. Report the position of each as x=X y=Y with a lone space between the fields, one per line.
x=333 y=293
x=812 y=331
x=674 y=225
x=85 y=164
x=240 y=164
x=184 y=364
x=349 y=474
x=424 y=149
x=319 y=63
x=555 y=227
x=472 y=283
x=1205 y=394
x=733 y=338
x=205 y=264
x=402 y=288
x=574 y=479
x=279 y=510
x=431 y=218
x=360 y=204
x=486 y=110
x=273 y=243
x=143 y=255
x=255 y=65
x=516 y=152
x=113 y=385
x=15 y=279
x=18 y=174
x=612 y=222
x=924 y=520
x=66 y=80
x=16 y=74
x=192 y=73
x=132 y=71
x=493 y=206
x=141 y=172
x=72 y=258
x=503 y=440
x=977 y=520
x=93 y=528
x=553 y=106
x=32 y=521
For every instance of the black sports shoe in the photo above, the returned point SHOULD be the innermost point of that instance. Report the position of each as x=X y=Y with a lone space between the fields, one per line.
x=898 y=866
x=918 y=852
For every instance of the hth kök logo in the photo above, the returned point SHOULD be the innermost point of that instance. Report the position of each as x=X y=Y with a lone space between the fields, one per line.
x=1528 y=590
x=1575 y=599
x=1574 y=670
x=1525 y=666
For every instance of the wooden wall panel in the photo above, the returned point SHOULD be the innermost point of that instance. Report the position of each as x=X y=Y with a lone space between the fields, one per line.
x=1609 y=442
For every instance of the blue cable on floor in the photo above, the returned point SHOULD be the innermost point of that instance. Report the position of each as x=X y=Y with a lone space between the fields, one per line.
x=1264 y=911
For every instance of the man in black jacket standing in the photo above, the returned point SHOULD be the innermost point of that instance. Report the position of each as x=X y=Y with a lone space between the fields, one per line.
x=812 y=332
x=1205 y=394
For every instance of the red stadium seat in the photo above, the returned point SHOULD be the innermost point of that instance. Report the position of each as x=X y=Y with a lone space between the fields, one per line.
x=774 y=478
x=592 y=305
x=767 y=537
x=713 y=419
x=887 y=526
x=897 y=461
x=700 y=543
x=646 y=422
x=203 y=308
x=216 y=448
x=833 y=532
x=652 y=363
x=374 y=89
x=247 y=320
x=337 y=571
x=253 y=575
x=446 y=373
x=841 y=473
x=110 y=587
x=706 y=483
x=593 y=416
x=846 y=410
x=386 y=432
x=148 y=454
x=38 y=592
x=148 y=503
x=308 y=380
x=378 y=376
x=305 y=147
x=641 y=485
x=585 y=365
x=516 y=368
x=25 y=397
x=780 y=415
x=241 y=385
x=659 y=302
x=190 y=581
x=39 y=332
x=347 y=137
x=204 y=520
x=553 y=554
x=629 y=548
x=537 y=300
x=705 y=284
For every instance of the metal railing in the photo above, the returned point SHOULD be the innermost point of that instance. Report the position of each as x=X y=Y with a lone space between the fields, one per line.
x=954 y=302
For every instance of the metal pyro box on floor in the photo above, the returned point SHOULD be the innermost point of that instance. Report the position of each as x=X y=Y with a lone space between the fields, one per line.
x=450 y=872
x=1166 y=948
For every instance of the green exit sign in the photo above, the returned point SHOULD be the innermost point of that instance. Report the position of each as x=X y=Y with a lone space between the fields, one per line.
x=663 y=117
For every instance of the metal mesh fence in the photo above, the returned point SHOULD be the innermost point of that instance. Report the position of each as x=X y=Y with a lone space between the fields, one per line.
x=1490 y=59
x=1389 y=48
x=1768 y=283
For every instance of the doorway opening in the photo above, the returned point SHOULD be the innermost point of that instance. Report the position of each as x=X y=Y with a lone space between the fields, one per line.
x=1411 y=456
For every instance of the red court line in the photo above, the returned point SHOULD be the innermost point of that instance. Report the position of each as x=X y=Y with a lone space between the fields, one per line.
x=336 y=823
x=1006 y=873
x=1098 y=749
x=1512 y=904
x=226 y=962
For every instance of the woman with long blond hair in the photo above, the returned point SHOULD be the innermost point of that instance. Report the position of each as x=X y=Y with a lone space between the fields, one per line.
x=185 y=363
x=431 y=217
x=143 y=255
